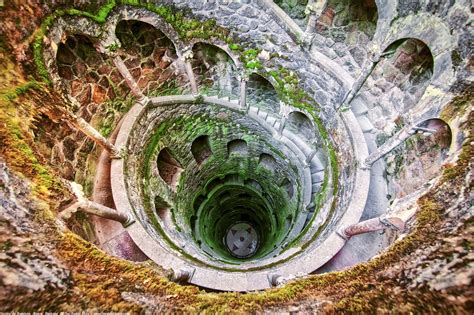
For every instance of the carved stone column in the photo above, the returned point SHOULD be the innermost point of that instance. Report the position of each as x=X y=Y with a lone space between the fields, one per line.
x=313 y=11
x=243 y=90
x=186 y=58
x=372 y=225
x=285 y=111
x=90 y=207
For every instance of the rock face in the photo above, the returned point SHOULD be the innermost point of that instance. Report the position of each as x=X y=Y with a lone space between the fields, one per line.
x=27 y=265
x=246 y=139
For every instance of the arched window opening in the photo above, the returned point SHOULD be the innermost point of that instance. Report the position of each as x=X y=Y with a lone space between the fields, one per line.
x=216 y=182
x=87 y=74
x=151 y=58
x=397 y=83
x=350 y=23
x=169 y=168
x=162 y=208
x=198 y=202
x=267 y=161
x=201 y=149
x=262 y=94
x=300 y=124
x=288 y=187
x=215 y=71
x=419 y=159
x=238 y=147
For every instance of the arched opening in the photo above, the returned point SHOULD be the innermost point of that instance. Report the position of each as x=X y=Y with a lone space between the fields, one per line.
x=215 y=71
x=162 y=209
x=238 y=147
x=349 y=22
x=419 y=159
x=216 y=182
x=262 y=94
x=267 y=161
x=169 y=168
x=295 y=9
x=151 y=58
x=300 y=124
x=397 y=83
x=201 y=149
x=286 y=184
x=89 y=76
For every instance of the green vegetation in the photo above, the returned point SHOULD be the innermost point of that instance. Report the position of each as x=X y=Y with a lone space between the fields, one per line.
x=18 y=91
x=250 y=60
x=113 y=110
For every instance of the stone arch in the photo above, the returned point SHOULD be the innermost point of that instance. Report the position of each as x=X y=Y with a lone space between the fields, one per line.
x=419 y=159
x=352 y=22
x=88 y=75
x=268 y=161
x=397 y=82
x=300 y=124
x=262 y=93
x=151 y=57
x=201 y=149
x=215 y=70
x=216 y=182
x=288 y=187
x=162 y=209
x=410 y=68
x=237 y=146
x=169 y=168
x=442 y=131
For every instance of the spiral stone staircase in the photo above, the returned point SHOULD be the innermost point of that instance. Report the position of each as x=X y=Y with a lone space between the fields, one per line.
x=245 y=160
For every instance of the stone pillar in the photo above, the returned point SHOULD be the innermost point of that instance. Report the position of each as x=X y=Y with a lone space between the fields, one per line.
x=183 y=275
x=313 y=11
x=243 y=91
x=93 y=134
x=90 y=207
x=131 y=83
x=285 y=111
x=371 y=225
x=123 y=70
x=373 y=60
x=186 y=58
x=389 y=145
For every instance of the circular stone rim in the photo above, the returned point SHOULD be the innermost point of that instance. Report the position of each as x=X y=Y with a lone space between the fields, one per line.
x=307 y=261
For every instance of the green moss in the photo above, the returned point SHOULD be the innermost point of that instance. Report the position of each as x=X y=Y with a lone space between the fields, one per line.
x=113 y=110
x=15 y=146
x=250 y=60
x=20 y=90
x=235 y=47
x=458 y=106
x=456 y=58
x=287 y=87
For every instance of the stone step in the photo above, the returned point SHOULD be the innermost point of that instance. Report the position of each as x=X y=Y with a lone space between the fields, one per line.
x=315 y=188
x=263 y=114
x=235 y=101
x=277 y=125
x=365 y=124
x=271 y=120
x=253 y=110
x=317 y=177
x=358 y=107
x=315 y=165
